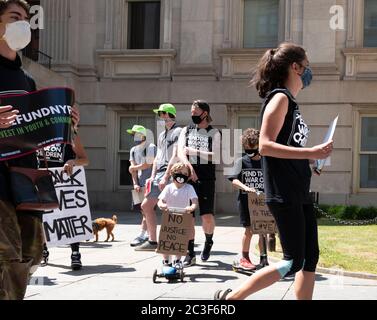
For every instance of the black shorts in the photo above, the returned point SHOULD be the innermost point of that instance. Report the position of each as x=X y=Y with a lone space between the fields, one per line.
x=206 y=194
x=244 y=215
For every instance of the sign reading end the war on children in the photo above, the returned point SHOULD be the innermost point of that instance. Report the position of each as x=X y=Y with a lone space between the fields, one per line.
x=44 y=119
x=174 y=237
x=262 y=221
x=72 y=221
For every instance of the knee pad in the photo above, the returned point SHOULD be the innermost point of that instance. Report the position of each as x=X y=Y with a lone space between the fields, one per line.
x=283 y=267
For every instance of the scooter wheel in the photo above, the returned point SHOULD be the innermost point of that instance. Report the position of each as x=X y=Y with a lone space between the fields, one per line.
x=155 y=276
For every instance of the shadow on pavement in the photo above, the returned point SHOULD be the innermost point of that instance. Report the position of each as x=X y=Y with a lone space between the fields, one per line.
x=87 y=270
x=318 y=277
x=220 y=266
x=42 y=281
x=100 y=244
x=210 y=277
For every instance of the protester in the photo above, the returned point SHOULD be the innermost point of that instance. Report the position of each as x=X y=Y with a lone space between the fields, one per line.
x=165 y=158
x=68 y=157
x=178 y=194
x=141 y=159
x=21 y=239
x=199 y=149
x=280 y=76
x=248 y=178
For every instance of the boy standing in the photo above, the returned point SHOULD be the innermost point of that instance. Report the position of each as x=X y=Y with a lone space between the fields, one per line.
x=248 y=177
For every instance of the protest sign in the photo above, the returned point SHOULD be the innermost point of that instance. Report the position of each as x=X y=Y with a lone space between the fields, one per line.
x=174 y=237
x=72 y=221
x=262 y=221
x=44 y=119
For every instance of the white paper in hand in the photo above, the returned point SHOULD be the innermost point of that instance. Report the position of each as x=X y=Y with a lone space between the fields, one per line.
x=329 y=136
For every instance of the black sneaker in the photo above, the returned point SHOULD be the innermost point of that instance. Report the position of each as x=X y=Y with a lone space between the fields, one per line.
x=76 y=261
x=263 y=263
x=189 y=261
x=45 y=255
x=271 y=243
x=206 y=253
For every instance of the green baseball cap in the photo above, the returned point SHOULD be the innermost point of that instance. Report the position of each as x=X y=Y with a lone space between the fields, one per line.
x=138 y=129
x=167 y=107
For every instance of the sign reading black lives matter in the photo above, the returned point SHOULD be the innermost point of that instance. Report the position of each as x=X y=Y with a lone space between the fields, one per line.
x=72 y=221
x=44 y=119
x=262 y=221
x=174 y=236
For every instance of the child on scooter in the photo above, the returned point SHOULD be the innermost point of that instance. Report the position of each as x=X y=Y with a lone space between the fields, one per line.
x=178 y=194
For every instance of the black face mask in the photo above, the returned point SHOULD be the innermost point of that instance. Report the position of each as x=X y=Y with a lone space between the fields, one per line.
x=197 y=119
x=180 y=178
x=252 y=152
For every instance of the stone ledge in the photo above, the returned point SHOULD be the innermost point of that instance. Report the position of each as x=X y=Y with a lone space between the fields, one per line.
x=361 y=63
x=137 y=64
x=239 y=63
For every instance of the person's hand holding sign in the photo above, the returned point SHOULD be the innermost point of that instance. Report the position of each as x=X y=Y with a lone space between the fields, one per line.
x=7 y=116
x=247 y=189
x=68 y=167
x=163 y=207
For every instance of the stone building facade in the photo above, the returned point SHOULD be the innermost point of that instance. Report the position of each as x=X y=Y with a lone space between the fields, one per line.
x=124 y=58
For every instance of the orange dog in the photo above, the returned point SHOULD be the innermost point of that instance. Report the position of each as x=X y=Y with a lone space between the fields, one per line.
x=102 y=223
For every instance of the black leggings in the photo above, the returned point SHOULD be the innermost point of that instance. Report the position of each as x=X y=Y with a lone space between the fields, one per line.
x=298 y=233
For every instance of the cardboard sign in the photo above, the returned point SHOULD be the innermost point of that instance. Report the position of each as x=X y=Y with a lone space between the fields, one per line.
x=174 y=236
x=72 y=221
x=44 y=119
x=262 y=221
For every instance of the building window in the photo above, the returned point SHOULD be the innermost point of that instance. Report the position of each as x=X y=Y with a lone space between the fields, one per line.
x=261 y=24
x=248 y=121
x=126 y=143
x=370 y=23
x=368 y=152
x=144 y=25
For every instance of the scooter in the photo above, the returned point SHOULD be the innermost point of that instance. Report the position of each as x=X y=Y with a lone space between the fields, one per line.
x=263 y=261
x=170 y=273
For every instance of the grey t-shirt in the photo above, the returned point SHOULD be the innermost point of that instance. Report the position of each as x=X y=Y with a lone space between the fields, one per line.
x=165 y=146
x=140 y=154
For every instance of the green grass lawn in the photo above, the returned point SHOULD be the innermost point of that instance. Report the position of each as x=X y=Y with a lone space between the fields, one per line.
x=351 y=248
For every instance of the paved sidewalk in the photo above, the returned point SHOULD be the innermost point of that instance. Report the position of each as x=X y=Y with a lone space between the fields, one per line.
x=114 y=271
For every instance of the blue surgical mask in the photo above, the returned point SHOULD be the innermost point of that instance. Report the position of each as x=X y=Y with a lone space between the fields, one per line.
x=306 y=77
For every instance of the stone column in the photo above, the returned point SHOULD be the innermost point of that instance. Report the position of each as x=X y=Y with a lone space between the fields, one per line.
x=196 y=32
x=317 y=32
x=54 y=38
x=167 y=9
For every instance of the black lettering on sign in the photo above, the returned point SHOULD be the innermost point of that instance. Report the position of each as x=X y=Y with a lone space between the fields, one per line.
x=175 y=218
x=171 y=246
x=68 y=227
x=63 y=178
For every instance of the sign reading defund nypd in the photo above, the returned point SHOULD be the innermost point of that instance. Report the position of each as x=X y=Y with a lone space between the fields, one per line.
x=44 y=119
x=72 y=221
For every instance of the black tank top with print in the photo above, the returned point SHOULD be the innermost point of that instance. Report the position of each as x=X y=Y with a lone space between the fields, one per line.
x=288 y=180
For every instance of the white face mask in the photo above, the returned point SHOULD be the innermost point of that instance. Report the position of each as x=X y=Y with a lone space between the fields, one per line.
x=17 y=35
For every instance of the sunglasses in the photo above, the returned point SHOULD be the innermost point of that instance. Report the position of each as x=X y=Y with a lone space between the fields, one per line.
x=162 y=112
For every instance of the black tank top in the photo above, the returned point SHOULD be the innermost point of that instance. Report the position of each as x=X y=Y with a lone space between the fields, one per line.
x=57 y=155
x=288 y=180
x=201 y=139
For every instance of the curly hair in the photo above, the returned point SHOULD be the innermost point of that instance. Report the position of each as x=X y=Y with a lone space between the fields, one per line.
x=178 y=167
x=250 y=137
x=4 y=5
